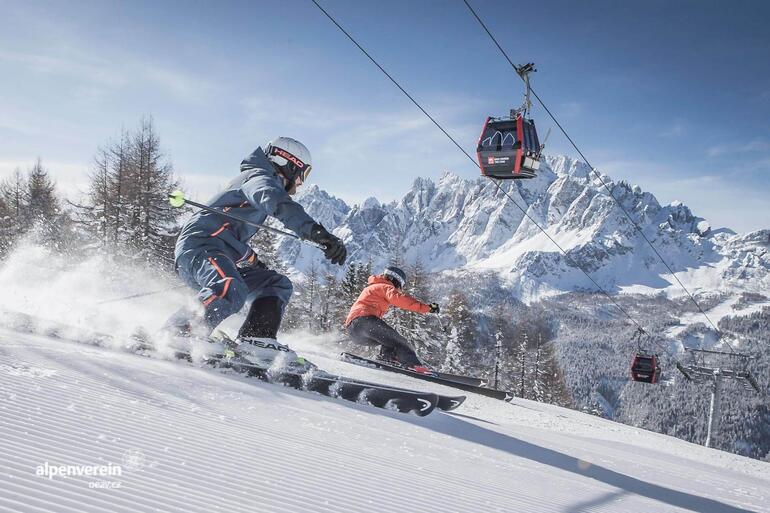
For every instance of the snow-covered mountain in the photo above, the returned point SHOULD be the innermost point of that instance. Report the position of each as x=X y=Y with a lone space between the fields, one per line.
x=471 y=226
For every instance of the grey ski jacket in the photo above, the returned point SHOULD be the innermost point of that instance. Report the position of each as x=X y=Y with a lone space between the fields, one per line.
x=256 y=193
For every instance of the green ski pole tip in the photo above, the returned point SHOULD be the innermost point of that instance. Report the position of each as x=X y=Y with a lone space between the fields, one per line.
x=176 y=199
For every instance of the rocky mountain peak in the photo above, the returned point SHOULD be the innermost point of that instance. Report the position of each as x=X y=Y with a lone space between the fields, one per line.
x=469 y=225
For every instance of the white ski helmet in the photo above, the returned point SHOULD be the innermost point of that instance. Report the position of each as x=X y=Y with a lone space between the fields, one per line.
x=291 y=157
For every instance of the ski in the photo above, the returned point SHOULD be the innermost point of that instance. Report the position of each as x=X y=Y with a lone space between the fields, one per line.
x=445 y=402
x=374 y=394
x=442 y=402
x=481 y=390
x=330 y=385
x=381 y=396
x=457 y=378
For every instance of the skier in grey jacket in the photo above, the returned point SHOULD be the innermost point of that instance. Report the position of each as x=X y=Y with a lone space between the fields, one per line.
x=213 y=254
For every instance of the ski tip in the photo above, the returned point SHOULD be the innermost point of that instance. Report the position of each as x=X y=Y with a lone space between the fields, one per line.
x=425 y=406
x=446 y=403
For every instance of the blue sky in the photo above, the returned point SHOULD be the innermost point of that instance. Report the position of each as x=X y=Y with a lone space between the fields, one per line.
x=673 y=96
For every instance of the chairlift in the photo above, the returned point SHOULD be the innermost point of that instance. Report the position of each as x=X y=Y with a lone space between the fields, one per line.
x=727 y=365
x=509 y=147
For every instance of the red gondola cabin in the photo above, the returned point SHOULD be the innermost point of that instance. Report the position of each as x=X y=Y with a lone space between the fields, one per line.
x=645 y=368
x=509 y=148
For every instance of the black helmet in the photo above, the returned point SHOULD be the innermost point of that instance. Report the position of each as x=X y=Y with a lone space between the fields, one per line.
x=396 y=275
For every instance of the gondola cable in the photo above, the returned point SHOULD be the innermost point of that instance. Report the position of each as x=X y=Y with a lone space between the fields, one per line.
x=598 y=175
x=494 y=182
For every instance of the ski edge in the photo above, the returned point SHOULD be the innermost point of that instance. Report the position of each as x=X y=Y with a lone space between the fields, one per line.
x=488 y=392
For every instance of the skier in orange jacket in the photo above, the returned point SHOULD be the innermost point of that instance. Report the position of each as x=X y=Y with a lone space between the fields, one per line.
x=365 y=325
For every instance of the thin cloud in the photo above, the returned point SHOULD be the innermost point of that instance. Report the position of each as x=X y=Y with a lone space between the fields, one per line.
x=95 y=77
x=571 y=109
x=722 y=202
x=360 y=129
x=755 y=145
x=89 y=69
x=17 y=124
x=715 y=196
x=381 y=151
x=676 y=129
x=179 y=83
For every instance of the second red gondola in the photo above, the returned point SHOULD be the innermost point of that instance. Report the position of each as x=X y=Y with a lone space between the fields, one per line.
x=645 y=368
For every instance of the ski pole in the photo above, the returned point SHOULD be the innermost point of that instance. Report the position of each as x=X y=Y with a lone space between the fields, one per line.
x=177 y=200
x=140 y=295
x=440 y=324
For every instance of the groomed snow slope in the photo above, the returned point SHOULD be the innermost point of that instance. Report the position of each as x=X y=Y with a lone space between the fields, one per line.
x=193 y=439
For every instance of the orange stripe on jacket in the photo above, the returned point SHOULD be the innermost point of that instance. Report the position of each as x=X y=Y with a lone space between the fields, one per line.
x=228 y=209
x=379 y=295
x=227 y=287
x=221 y=229
x=220 y=272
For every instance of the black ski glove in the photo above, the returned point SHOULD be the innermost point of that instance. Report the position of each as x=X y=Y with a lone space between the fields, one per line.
x=334 y=249
x=434 y=308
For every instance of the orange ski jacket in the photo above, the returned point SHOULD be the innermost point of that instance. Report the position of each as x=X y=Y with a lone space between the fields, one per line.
x=378 y=296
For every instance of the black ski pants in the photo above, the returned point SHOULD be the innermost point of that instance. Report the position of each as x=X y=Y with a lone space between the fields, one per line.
x=373 y=331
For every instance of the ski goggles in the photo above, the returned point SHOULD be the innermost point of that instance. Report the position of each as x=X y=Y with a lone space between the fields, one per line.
x=294 y=167
x=303 y=174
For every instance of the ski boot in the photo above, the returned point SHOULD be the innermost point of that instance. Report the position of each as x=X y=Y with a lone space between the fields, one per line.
x=270 y=355
x=390 y=356
x=256 y=341
x=421 y=369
